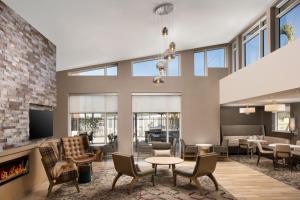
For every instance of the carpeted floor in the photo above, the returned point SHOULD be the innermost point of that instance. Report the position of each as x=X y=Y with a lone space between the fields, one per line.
x=100 y=187
x=282 y=174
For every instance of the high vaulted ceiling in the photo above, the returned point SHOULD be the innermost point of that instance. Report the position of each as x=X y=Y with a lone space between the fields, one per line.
x=101 y=31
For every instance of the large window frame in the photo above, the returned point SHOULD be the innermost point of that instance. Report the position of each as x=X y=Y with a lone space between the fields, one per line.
x=286 y=6
x=259 y=29
x=155 y=59
x=206 y=61
x=235 y=56
x=105 y=125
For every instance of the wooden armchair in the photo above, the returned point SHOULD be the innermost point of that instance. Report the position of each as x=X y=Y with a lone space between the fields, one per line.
x=264 y=153
x=188 y=151
x=205 y=166
x=58 y=172
x=76 y=149
x=124 y=165
x=244 y=144
x=283 y=152
x=222 y=150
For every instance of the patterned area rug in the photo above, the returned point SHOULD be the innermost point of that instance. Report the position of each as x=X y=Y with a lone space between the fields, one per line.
x=265 y=166
x=100 y=187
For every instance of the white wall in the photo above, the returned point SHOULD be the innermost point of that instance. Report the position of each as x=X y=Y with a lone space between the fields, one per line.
x=278 y=71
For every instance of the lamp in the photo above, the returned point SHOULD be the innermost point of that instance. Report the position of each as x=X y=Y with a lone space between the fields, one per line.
x=165 y=32
x=247 y=110
x=292 y=124
x=162 y=67
x=157 y=80
x=275 y=107
x=172 y=46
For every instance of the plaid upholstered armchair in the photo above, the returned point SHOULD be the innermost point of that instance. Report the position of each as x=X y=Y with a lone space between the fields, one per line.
x=57 y=171
x=76 y=148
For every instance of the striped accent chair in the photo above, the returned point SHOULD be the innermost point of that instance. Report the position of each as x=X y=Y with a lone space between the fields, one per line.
x=57 y=171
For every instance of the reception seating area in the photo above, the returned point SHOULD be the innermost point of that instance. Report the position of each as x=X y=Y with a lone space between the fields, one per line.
x=149 y=99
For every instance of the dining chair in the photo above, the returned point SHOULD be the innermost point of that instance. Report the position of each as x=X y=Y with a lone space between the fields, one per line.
x=222 y=150
x=263 y=153
x=188 y=151
x=205 y=166
x=283 y=152
x=244 y=144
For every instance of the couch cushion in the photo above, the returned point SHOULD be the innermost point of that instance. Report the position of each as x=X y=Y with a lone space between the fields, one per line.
x=162 y=153
x=233 y=141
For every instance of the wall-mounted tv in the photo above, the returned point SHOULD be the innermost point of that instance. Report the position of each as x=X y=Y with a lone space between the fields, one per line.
x=40 y=124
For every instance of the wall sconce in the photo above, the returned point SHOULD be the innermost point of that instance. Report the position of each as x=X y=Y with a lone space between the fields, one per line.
x=292 y=125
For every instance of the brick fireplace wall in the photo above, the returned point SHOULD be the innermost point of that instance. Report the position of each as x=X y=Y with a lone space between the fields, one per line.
x=27 y=73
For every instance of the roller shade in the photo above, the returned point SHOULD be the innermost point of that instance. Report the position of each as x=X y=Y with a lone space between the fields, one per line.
x=156 y=103
x=93 y=103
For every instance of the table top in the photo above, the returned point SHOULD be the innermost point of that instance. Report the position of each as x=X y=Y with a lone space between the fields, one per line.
x=164 y=160
x=291 y=145
x=257 y=140
x=203 y=145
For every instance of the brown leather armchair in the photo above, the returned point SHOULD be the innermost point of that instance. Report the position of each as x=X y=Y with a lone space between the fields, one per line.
x=205 y=166
x=76 y=149
x=124 y=165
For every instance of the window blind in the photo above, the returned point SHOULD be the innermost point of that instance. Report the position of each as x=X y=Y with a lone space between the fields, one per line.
x=93 y=103
x=156 y=103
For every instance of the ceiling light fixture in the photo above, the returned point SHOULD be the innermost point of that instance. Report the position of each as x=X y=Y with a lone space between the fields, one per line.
x=274 y=107
x=165 y=56
x=247 y=110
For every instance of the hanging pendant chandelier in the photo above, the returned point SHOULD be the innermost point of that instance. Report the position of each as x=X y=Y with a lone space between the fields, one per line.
x=164 y=11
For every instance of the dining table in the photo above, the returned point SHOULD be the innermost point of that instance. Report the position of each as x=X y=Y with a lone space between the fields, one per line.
x=292 y=146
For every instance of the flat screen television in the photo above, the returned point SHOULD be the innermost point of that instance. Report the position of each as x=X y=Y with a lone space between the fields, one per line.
x=40 y=124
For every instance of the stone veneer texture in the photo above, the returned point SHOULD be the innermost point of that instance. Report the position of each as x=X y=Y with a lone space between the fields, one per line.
x=27 y=72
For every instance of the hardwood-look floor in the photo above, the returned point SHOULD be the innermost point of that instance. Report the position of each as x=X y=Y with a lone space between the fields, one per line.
x=248 y=184
x=241 y=181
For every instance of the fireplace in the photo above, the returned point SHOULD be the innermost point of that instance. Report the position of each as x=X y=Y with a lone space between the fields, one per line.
x=12 y=169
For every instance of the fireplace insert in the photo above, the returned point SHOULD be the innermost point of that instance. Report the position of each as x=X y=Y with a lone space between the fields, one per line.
x=12 y=169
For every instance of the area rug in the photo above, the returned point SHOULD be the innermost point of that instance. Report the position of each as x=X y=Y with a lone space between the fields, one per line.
x=265 y=166
x=100 y=187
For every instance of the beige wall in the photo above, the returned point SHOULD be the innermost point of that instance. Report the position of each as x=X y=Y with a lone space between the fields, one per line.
x=200 y=99
x=276 y=72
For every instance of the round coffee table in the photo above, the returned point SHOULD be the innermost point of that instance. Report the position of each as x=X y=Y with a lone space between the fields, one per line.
x=163 y=161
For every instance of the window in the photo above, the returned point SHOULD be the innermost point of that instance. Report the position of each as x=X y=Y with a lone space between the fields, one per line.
x=234 y=63
x=156 y=117
x=216 y=58
x=148 y=67
x=199 y=64
x=104 y=71
x=211 y=58
x=94 y=113
x=280 y=120
x=255 y=43
x=288 y=20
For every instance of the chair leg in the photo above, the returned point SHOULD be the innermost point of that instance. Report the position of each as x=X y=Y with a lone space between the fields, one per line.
x=258 y=158
x=76 y=185
x=115 y=180
x=50 y=189
x=196 y=181
x=153 y=180
x=134 y=179
x=174 y=179
x=211 y=176
x=238 y=151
